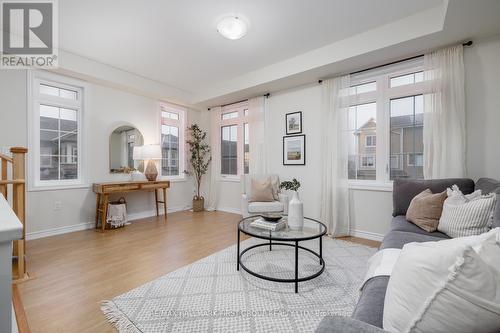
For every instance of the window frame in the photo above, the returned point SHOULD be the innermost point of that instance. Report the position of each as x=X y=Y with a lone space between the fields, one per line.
x=181 y=124
x=34 y=98
x=382 y=97
x=243 y=117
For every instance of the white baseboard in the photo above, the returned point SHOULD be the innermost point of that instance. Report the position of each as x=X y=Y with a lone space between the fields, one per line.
x=229 y=210
x=59 y=230
x=90 y=225
x=366 y=234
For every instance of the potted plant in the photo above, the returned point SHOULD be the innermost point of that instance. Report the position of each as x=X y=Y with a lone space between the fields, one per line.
x=295 y=207
x=199 y=161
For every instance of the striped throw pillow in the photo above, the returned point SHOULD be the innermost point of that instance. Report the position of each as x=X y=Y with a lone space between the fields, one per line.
x=466 y=215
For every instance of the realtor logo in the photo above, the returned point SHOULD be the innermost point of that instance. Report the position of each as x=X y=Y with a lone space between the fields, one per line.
x=29 y=34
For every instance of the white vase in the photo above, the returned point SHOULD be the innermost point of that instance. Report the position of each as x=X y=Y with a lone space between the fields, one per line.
x=295 y=213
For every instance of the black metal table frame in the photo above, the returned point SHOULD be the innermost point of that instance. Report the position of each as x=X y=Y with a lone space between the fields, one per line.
x=278 y=241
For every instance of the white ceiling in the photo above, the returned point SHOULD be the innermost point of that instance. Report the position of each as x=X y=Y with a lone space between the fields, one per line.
x=175 y=42
x=170 y=49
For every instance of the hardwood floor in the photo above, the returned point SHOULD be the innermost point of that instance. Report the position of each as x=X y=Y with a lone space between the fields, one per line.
x=74 y=272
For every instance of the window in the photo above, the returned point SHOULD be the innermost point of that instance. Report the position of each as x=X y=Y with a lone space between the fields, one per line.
x=235 y=136
x=406 y=130
x=385 y=123
x=172 y=140
x=362 y=125
x=416 y=160
x=229 y=150
x=368 y=161
x=362 y=88
x=56 y=127
x=246 y=148
x=402 y=80
x=230 y=115
x=371 y=141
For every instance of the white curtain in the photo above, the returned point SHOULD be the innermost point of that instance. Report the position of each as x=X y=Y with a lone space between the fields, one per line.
x=215 y=116
x=334 y=150
x=257 y=135
x=444 y=114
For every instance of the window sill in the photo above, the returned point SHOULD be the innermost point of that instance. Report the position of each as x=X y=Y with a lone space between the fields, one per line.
x=230 y=179
x=58 y=187
x=371 y=186
x=175 y=179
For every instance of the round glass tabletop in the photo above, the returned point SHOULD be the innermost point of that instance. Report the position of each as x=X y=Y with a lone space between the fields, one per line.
x=311 y=229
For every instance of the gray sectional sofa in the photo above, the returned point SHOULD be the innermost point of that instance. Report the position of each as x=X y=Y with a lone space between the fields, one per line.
x=368 y=314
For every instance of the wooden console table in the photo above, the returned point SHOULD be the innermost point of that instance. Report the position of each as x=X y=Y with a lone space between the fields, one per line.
x=103 y=190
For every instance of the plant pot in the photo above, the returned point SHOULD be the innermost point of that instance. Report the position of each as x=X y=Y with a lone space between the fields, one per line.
x=198 y=204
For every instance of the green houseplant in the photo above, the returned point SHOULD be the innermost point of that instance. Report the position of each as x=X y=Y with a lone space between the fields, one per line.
x=199 y=160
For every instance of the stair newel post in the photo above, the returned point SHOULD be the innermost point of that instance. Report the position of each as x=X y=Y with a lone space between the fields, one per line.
x=19 y=203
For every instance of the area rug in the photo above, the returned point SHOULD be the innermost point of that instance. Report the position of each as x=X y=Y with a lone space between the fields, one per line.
x=210 y=295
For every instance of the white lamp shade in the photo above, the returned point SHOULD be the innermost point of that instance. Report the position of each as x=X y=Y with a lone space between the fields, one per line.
x=137 y=153
x=151 y=152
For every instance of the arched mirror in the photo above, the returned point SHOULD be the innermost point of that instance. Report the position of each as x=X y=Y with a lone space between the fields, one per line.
x=121 y=149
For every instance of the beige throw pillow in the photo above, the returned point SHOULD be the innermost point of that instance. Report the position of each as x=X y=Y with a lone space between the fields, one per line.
x=262 y=190
x=425 y=210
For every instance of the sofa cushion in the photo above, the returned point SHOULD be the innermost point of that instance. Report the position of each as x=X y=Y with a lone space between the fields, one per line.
x=405 y=190
x=421 y=304
x=399 y=223
x=398 y=239
x=370 y=307
x=425 y=210
x=265 y=207
x=488 y=185
x=467 y=215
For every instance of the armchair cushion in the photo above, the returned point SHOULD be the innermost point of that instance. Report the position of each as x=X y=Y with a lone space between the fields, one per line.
x=246 y=184
x=262 y=190
x=265 y=207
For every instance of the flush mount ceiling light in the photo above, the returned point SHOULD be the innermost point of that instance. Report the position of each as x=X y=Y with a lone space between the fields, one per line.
x=232 y=27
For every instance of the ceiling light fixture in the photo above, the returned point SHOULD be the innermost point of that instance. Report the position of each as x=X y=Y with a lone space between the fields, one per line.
x=232 y=27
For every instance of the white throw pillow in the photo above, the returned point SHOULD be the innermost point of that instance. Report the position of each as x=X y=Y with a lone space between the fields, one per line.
x=466 y=215
x=426 y=277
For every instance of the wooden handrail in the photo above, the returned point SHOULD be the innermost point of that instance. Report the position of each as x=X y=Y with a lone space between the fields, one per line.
x=13 y=181
x=5 y=157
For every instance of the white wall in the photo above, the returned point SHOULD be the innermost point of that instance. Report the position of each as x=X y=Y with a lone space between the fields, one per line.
x=371 y=210
x=482 y=69
x=107 y=109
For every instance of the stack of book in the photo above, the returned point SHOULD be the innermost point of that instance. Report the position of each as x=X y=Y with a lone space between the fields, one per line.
x=268 y=225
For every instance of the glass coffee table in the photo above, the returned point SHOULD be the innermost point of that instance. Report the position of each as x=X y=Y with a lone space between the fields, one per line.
x=312 y=230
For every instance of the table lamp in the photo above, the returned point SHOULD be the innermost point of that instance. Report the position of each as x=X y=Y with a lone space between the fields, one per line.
x=150 y=153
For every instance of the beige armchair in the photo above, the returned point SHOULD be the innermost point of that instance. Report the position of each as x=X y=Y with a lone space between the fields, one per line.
x=258 y=208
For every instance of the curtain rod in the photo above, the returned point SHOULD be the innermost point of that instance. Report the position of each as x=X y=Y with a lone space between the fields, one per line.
x=469 y=43
x=243 y=100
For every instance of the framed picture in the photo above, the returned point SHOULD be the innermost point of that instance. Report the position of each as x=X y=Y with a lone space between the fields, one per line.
x=293 y=123
x=294 y=150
